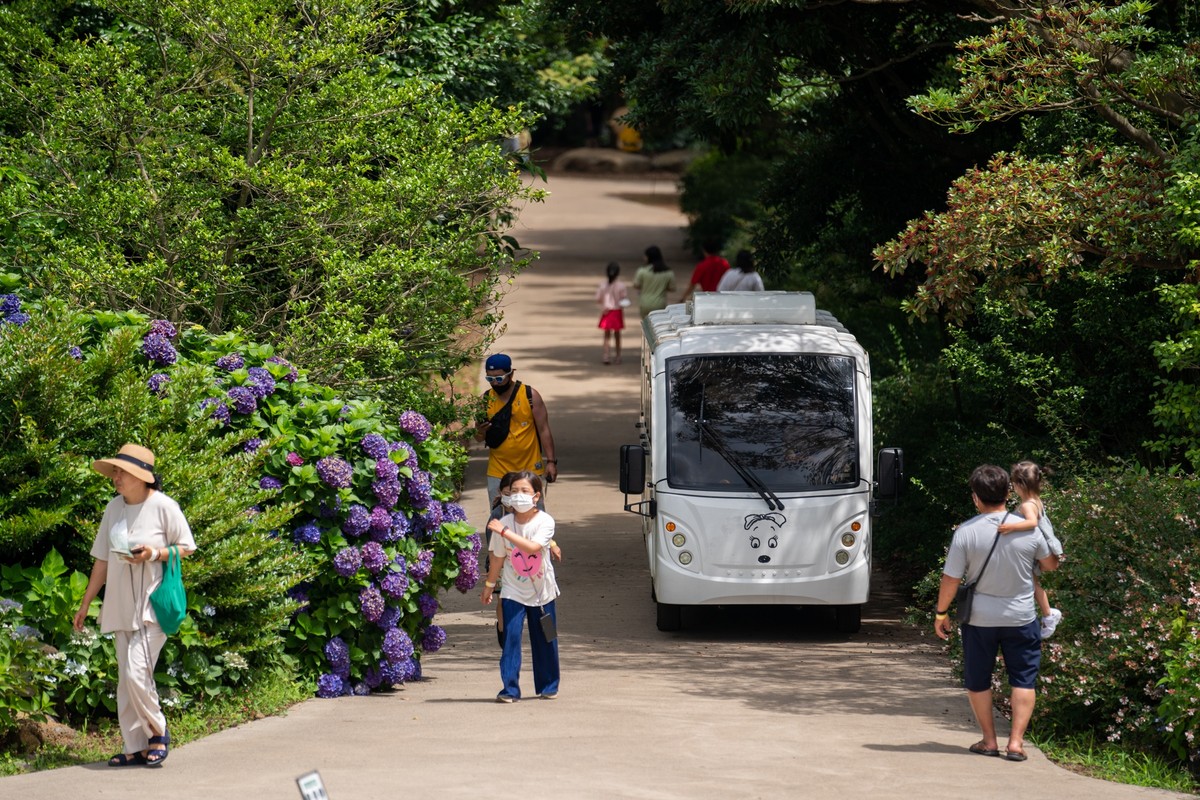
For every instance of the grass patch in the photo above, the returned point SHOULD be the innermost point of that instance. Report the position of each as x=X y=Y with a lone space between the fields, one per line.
x=1082 y=753
x=269 y=695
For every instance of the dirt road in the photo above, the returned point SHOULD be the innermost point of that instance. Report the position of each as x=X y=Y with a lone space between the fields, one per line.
x=743 y=705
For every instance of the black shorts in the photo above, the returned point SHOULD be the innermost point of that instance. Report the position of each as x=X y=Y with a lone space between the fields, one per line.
x=1022 y=649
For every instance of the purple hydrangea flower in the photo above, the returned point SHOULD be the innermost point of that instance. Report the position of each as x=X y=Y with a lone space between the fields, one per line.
x=299 y=592
x=373 y=677
x=220 y=411
x=453 y=512
x=392 y=674
x=410 y=455
x=371 y=603
x=381 y=520
x=9 y=304
x=252 y=445
x=358 y=521
x=164 y=328
x=260 y=382
x=428 y=522
x=361 y=689
x=347 y=561
x=159 y=349
x=270 y=482
x=308 y=533
x=468 y=574
x=387 y=470
x=328 y=511
x=157 y=384
x=419 y=490
x=17 y=319
x=475 y=543
x=422 y=567
x=76 y=353
x=242 y=399
x=373 y=557
x=387 y=492
x=399 y=526
x=291 y=376
x=338 y=656
x=394 y=584
x=414 y=673
x=433 y=639
x=330 y=685
x=391 y=615
x=397 y=645
x=375 y=446
x=415 y=424
x=231 y=362
x=335 y=472
x=294 y=459
x=427 y=604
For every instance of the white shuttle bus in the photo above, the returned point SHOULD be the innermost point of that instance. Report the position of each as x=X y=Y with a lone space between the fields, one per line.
x=755 y=462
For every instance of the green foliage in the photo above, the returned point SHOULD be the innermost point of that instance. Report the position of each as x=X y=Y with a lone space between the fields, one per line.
x=718 y=193
x=26 y=673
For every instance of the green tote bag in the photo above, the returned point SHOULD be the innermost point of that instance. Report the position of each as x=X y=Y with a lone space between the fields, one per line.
x=170 y=599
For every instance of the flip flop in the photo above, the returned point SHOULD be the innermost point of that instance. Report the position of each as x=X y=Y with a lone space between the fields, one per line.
x=127 y=760
x=1015 y=755
x=979 y=748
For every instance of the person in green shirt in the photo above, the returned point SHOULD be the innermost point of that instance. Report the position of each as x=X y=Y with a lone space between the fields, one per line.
x=653 y=282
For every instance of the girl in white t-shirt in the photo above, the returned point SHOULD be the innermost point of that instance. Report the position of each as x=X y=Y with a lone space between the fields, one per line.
x=743 y=277
x=520 y=548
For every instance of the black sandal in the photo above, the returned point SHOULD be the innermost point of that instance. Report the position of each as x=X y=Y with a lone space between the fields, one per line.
x=156 y=755
x=127 y=760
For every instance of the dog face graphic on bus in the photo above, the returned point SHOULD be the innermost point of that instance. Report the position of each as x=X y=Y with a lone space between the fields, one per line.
x=764 y=527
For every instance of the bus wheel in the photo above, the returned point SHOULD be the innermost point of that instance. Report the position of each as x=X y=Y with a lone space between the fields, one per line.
x=670 y=617
x=849 y=618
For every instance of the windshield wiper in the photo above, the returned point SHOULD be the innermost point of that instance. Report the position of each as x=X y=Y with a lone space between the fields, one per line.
x=744 y=472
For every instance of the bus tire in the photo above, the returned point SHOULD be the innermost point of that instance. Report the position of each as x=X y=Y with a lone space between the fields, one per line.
x=848 y=618
x=670 y=617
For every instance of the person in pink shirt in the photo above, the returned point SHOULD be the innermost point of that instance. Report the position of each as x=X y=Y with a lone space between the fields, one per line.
x=708 y=272
x=613 y=298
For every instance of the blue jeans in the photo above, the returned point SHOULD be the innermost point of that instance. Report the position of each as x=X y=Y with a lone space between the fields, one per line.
x=545 y=654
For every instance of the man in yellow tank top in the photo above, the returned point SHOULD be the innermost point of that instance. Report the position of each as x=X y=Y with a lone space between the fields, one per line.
x=529 y=444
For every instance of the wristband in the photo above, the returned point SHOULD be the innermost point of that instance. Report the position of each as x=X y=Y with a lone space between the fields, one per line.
x=154 y=554
x=490 y=584
x=941 y=613
x=941 y=616
x=552 y=461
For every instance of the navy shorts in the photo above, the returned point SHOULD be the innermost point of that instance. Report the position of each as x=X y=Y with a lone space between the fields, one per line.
x=1022 y=649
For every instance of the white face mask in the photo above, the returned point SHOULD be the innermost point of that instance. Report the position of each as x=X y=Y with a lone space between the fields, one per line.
x=521 y=502
x=506 y=500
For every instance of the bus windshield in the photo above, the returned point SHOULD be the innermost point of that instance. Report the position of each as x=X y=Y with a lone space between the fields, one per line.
x=784 y=422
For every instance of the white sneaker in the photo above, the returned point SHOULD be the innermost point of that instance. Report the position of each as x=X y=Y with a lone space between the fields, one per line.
x=1050 y=622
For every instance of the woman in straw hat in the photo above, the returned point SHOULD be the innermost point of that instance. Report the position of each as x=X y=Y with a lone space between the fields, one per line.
x=130 y=548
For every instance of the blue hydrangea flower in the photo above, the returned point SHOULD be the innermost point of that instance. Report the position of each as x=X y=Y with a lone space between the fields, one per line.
x=387 y=492
x=308 y=533
x=361 y=689
x=387 y=470
x=397 y=645
x=242 y=399
x=391 y=674
x=9 y=304
x=453 y=512
x=475 y=543
x=381 y=520
x=373 y=557
x=347 y=561
x=292 y=375
x=157 y=384
x=260 y=382
x=373 y=677
x=375 y=446
x=433 y=639
x=76 y=353
x=394 y=584
x=371 y=603
x=220 y=411
x=231 y=362
x=428 y=522
x=421 y=568
x=159 y=349
x=335 y=472
x=468 y=574
x=16 y=319
x=419 y=490
x=338 y=656
x=330 y=685
x=299 y=592
x=427 y=604
x=399 y=526
x=414 y=424
x=358 y=521
x=390 y=617
x=270 y=482
x=252 y=445
x=163 y=328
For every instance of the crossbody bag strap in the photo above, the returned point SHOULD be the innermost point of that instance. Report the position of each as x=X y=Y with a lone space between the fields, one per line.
x=511 y=399
x=989 y=555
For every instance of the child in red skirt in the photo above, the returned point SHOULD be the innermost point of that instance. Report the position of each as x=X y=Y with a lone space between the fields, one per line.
x=613 y=298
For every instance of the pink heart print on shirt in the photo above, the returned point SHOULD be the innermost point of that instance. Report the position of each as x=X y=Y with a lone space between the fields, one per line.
x=527 y=564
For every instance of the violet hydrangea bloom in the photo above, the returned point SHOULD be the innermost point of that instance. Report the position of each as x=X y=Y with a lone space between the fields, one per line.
x=159 y=349
x=260 y=382
x=387 y=492
x=419 y=489
x=76 y=353
x=270 y=482
x=347 y=561
x=468 y=574
x=389 y=618
x=410 y=455
x=252 y=445
x=157 y=383
x=308 y=533
x=397 y=645
x=335 y=472
x=292 y=375
x=243 y=400
x=394 y=584
x=375 y=446
x=220 y=411
x=294 y=459
x=381 y=520
x=399 y=526
x=433 y=639
x=453 y=512
x=371 y=603
x=427 y=604
x=330 y=685
x=415 y=424
x=231 y=362
x=387 y=470
x=373 y=557
x=163 y=327
x=422 y=567
x=358 y=521
x=9 y=304
x=338 y=656
x=16 y=319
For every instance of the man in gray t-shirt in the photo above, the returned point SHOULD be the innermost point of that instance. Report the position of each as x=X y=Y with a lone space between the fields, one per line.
x=1003 y=615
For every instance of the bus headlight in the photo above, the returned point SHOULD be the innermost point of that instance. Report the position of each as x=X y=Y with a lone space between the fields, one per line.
x=841 y=557
x=685 y=558
x=847 y=540
x=679 y=540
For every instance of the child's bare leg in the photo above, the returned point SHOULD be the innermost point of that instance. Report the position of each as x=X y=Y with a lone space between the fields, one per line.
x=1043 y=599
x=606 y=333
x=617 y=339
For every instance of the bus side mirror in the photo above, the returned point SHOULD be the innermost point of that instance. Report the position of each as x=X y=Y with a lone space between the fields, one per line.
x=889 y=474
x=633 y=469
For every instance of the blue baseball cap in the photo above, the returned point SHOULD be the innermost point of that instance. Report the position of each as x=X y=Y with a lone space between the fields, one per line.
x=498 y=361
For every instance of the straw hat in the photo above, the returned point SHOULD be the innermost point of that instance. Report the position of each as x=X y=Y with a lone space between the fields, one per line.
x=138 y=461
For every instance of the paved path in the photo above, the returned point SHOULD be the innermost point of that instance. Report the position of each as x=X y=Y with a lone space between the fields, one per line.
x=745 y=705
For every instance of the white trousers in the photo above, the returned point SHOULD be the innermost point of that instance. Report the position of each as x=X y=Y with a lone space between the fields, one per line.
x=138 y=709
